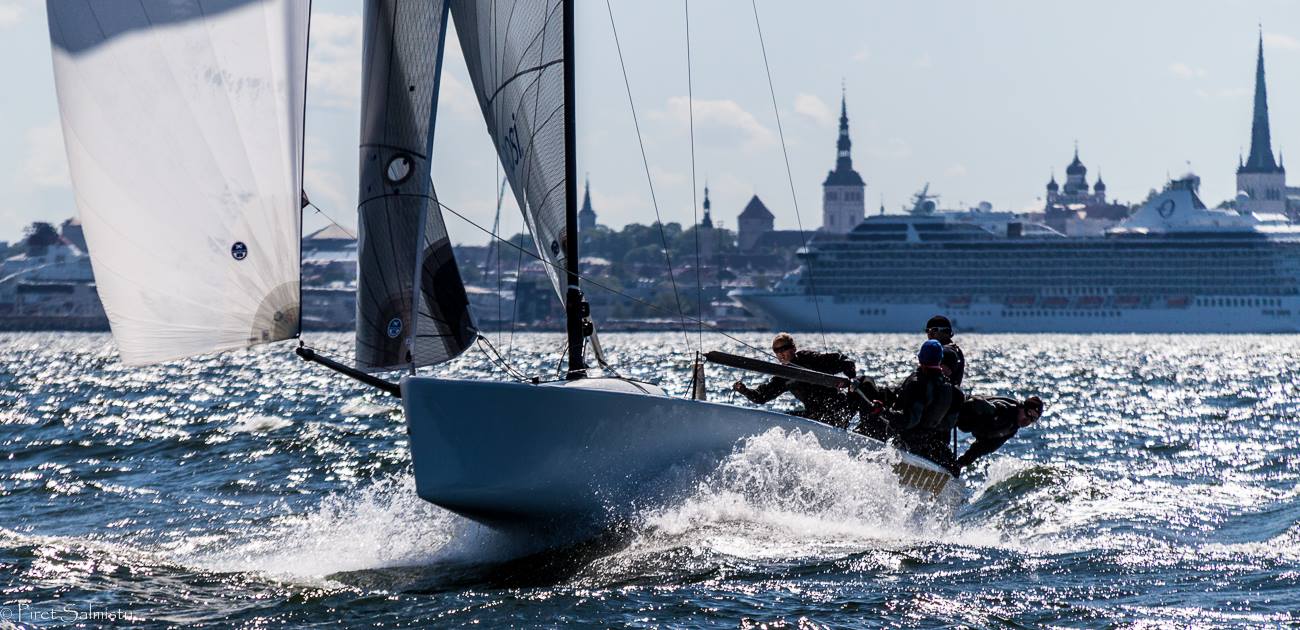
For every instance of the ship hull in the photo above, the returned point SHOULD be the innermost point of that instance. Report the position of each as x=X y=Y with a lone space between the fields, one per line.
x=797 y=312
x=579 y=457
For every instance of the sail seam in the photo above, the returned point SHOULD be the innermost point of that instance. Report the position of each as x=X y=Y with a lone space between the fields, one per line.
x=520 y=74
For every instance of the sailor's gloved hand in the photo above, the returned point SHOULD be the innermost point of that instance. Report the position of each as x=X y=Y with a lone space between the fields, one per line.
x=738 y=387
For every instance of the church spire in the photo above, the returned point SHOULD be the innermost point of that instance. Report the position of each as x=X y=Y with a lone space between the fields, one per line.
x=1260 y=159
x=707 y=221
x=843 y=161
x=586 y=216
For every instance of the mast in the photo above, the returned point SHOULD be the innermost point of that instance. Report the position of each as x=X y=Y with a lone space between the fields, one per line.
x=573 y=302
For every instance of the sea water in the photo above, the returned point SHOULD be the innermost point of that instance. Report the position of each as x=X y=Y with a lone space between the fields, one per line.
x=252 y=489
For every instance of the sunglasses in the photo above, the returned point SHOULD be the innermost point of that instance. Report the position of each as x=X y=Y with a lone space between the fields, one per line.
x=782 y=349
x=1033 y=416
x=939 y=330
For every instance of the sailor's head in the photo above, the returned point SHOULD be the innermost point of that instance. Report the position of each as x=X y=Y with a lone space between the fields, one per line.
x=1030 y=411
x=938 y=327
x=949 y=361
x=783 y=347
x=931 y=354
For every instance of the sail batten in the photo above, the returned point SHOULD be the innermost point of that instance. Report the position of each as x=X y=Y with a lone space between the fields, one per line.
x=183 y=128
x=412 y=308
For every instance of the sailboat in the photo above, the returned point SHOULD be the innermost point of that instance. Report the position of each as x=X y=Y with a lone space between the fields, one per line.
x=183 y=122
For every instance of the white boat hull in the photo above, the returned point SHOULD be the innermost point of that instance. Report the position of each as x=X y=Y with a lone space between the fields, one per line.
x=579 y=455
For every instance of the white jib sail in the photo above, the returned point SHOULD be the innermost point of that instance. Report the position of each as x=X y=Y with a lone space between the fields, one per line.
x=514 y=51
x=183 y=123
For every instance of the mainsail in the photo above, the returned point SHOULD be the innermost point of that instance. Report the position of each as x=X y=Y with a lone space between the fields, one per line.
x=411 y=304
x=183 y=123
x=514 y=50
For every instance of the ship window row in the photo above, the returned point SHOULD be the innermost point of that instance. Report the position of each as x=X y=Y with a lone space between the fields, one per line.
x=964 y=257
x=1199 y=266
x=956 y=291
x=1202 y=262
x=1059 y=313
x=1023 y=284
x=1228 y=285
x=1238 y=302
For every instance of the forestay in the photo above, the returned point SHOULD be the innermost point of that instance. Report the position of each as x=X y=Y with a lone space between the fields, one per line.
x=514 y=50
x=411 y=304
x=183 y=123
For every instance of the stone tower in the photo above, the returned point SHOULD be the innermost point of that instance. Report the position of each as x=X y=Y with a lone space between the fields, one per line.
x=843 y=206
x=586 y=216
x=1262 y=178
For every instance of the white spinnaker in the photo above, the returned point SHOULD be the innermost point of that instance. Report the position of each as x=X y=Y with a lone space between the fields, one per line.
x=183 y=123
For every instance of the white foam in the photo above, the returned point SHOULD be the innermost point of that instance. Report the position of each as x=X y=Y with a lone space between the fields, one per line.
x=364 y=406
x=381 y=525
x=784 y=496
x=260 y=424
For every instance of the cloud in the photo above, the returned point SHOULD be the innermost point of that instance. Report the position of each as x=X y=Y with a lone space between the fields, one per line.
x=861 y=56
x=892 y=148
x=10 y=13
x=1281 y=42
x=456 y=96
x=1184 y=71
x=956 y=170
x=334 y=68
x=814 y=108
x=665 y=177
x=924 y=62
x=722 y=122
x=46 y=165
x=321 y=181
x=456 y=93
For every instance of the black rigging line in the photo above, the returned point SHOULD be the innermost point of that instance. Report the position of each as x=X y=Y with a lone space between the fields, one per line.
x=330 y=219
x=789 y=175
x=649 y=181
x=495 y=357
x=690 y=108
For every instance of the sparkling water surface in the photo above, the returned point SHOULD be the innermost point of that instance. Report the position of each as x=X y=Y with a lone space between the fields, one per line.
x=253 y=489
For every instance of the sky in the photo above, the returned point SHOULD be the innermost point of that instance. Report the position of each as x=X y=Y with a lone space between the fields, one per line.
x=983 y=101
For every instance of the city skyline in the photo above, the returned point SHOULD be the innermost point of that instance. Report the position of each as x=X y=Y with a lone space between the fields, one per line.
x=981 y=103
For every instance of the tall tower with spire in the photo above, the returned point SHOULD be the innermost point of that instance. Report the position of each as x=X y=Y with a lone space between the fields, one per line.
x=586 y=216
x=843 y=204
x=708 y=236
x=1262 y=178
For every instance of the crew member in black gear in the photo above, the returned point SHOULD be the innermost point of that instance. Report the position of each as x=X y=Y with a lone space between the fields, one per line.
x=919 y=415
x=992 y=421
x=940 y=329
x=825 y=404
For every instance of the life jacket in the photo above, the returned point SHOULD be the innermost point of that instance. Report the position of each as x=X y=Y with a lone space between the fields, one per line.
x=938 y=400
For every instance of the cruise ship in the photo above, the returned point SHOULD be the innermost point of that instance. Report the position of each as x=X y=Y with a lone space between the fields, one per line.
x=1174 y=266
